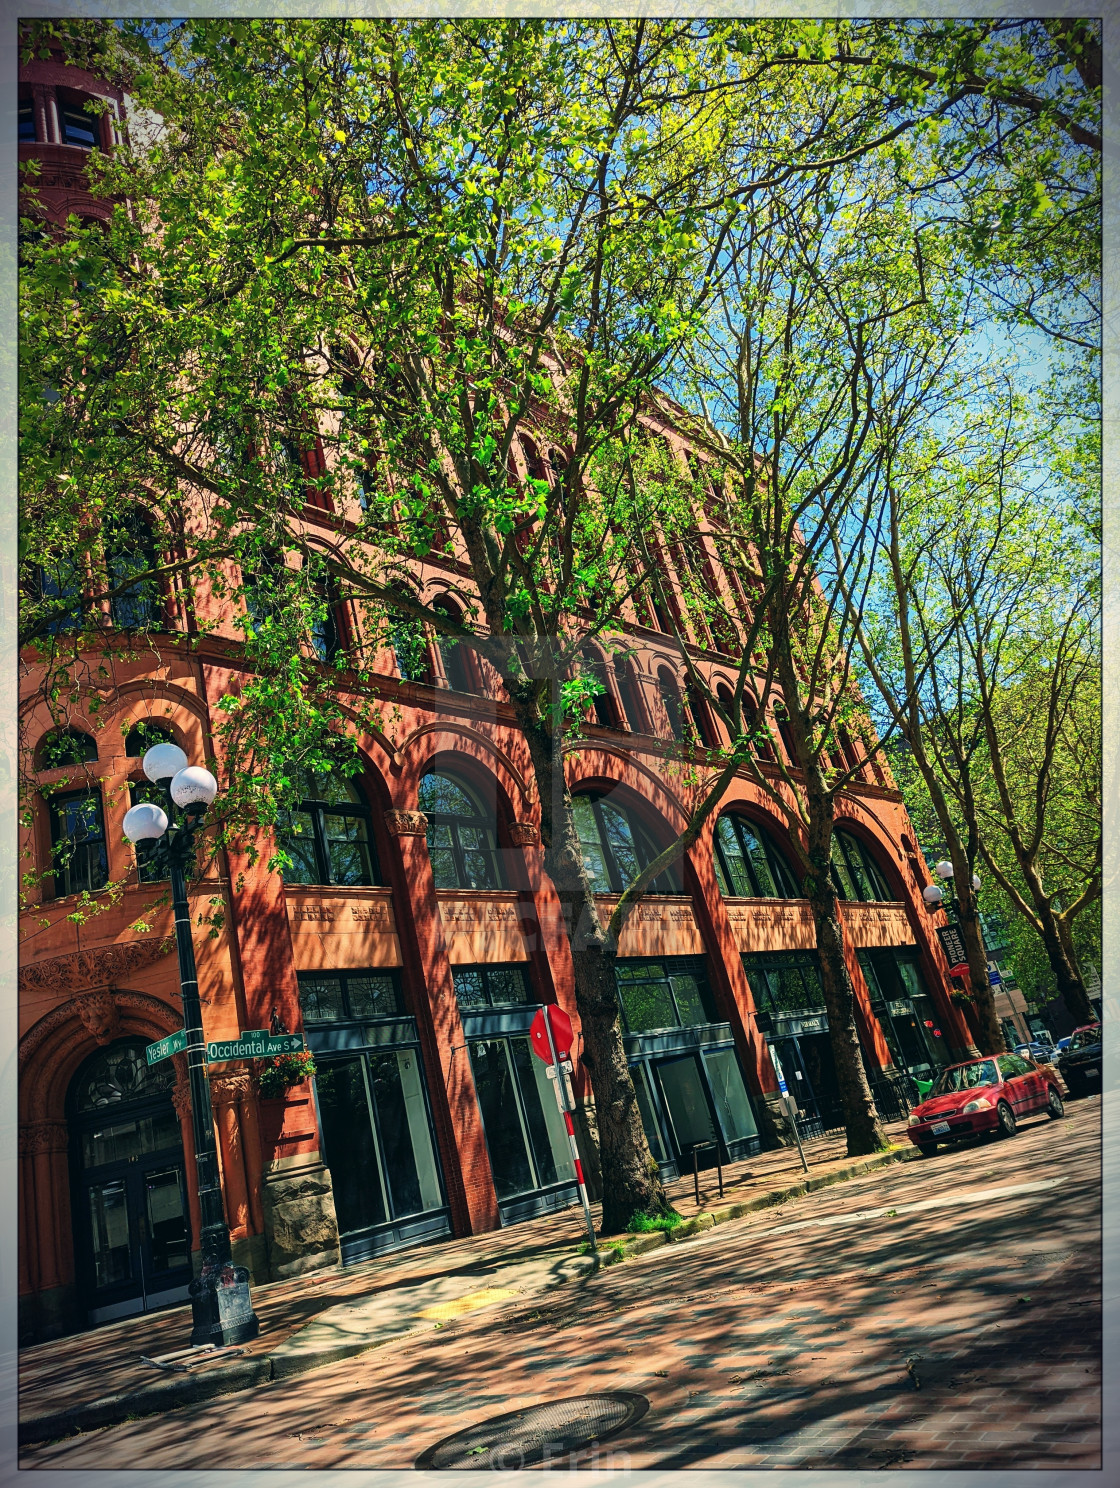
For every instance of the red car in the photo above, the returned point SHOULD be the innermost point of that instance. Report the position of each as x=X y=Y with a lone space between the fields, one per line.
x=984 y=1095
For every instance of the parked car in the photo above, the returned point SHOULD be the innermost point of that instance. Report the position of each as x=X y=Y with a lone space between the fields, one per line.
x=985 y=1095
x=1063 y=1043
x=1040 y=1053
x=1080 y=1065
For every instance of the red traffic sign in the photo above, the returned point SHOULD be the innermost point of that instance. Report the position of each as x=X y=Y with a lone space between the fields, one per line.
x=562 y=1035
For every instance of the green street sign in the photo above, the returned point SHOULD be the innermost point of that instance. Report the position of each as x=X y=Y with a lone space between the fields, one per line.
x=258 y=1045
x=174 y=1043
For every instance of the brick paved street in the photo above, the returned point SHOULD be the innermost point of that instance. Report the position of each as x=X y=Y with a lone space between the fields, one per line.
x=942 y=1314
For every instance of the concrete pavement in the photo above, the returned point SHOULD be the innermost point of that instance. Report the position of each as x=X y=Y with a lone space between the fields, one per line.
x=934 y=1314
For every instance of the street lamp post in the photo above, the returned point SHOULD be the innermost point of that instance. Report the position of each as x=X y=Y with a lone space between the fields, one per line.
x=220 y=1301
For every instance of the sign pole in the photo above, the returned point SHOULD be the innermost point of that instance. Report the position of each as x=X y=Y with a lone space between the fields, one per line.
x=220 y=1283
x=562 y=1102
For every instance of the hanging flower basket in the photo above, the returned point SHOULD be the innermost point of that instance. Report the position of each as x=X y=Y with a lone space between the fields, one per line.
x=962 y=999
x=280 y=1074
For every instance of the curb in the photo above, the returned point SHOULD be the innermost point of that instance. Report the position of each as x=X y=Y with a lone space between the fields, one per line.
x=769 y=1200
x=170 y=1394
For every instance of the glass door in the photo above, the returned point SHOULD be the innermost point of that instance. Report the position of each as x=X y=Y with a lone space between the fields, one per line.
x=525 y=1133
x=686 y=1102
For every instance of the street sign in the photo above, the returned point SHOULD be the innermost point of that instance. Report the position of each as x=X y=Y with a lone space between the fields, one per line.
x=994 y=978
x=257 y=1045
x=562 y=1034
x=952 y=943
x=960 y=971
x=163 y=1048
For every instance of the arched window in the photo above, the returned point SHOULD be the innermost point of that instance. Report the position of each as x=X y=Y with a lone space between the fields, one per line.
x=602 y=703
x=263 y=577
x=855 y=874
x=77 y=126
x=752 y=715
x=628 y=692
x=748 y=862
x=701 y=719
x=79 y=858
x=130 y=555
x=456 y=664
x=120 y=1074
x=326 y=629
x=462 y=840
x=671 y=702
x=143 y=734
x=328 y=835
x=616 y=846
x=60 y=592
x=781 y=718
x=65 y=747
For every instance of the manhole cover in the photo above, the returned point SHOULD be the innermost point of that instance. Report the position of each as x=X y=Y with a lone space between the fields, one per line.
x=525 y=1437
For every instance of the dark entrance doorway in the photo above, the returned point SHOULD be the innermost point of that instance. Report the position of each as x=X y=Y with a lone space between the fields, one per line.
x=131 y=1221
x=810 y=1072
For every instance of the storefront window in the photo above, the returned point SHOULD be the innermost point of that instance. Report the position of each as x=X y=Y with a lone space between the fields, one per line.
x=785 y=983
x=674 y=993
x=478 y=987
x=349 y=996
x=525 y=1133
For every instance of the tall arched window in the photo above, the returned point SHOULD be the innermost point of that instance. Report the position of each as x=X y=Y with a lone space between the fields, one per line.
x=616 y=846
x=462 y=835
x=628 y=692
x=263 y=577
x=748 y=863
x=328 y=836
x=456 y=663
x=855 y=874
x=602 y=704
x=701 y=719
x=130 y=554
x=79 y=857
x=326 y=629
x=671 y=702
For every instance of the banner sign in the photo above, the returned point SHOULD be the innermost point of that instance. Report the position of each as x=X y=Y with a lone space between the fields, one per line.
x=952 y=943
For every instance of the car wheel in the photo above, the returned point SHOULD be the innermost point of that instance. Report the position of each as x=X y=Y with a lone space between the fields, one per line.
x=927 y=1149
x=1054 y=1104
x=1006 y=1118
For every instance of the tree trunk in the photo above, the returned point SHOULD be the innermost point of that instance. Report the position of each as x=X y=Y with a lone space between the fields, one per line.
x=860 y=1117
x=631 y=1179
x=1058 y=941
x=991 y=1037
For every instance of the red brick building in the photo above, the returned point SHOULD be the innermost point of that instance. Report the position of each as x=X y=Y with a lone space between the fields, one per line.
x=411 y=943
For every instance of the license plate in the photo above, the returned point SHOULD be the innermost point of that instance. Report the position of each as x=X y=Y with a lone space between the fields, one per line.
x=939 y=1127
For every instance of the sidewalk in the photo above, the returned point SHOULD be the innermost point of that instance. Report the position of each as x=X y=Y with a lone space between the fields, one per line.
x=97 y=1378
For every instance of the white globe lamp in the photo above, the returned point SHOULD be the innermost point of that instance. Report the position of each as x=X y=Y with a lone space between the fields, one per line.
x=944 y=869
x=193 y=786
x=144 y=822
x=162 y=761
x=932 y=894
x=976 y=882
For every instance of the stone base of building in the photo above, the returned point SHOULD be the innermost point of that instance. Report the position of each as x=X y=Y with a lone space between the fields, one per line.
x=49 y=1314
x=301 y=1228
x=774 y=1126
x=251 y=1251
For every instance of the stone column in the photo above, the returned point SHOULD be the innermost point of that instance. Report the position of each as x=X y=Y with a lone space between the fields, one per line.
x=225 y=1091
x=458 y=1122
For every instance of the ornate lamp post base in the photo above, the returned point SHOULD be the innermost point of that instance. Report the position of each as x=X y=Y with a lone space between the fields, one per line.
x=222 y=1308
